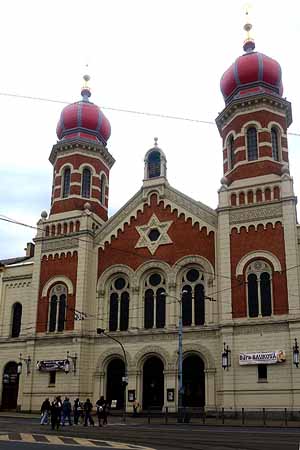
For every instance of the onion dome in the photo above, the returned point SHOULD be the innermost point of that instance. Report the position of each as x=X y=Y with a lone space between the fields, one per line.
x=252 y=73
x=83 y=120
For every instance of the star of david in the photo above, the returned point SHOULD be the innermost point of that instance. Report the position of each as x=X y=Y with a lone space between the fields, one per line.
x=153 y=234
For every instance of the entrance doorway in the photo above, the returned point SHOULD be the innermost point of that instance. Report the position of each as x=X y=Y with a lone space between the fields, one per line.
x=153 y=384
x=10 y=386
x=114 y=385
x=193 y=381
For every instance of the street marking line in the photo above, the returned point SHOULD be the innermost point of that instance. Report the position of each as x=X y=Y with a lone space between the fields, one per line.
x=27 y=437
x=4 y=437
x=54 y=439
x=84 y=442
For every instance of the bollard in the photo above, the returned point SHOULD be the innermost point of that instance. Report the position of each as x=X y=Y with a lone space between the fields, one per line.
x=223 y=418
x=285 y=417
x=243 y=416
x=166 y=414
x=264 y=416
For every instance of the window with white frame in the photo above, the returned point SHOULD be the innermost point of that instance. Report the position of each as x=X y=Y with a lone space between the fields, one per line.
x=230 y=151
x=86 y=183
x=275 y=143
x=193 y=297
x=155 y=301
x=66 y=182
x=102 y=189
x=259 y=289
x=119 y=304
x=252 y=147
x=57 y=308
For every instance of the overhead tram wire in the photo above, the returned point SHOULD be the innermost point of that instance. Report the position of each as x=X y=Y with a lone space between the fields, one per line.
x=122 y=110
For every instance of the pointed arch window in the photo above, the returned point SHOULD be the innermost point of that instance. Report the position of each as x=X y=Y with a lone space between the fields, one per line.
x=193 y=299
x=119 y=300
x=155 y=301
x=102 y=189
x=259 y=289
x=16 y=320
x=275 y=144
x=154 y=164
x=252 y=149
x=86 y=183
x=230 y=150
x=57 y=308
x=66 y=182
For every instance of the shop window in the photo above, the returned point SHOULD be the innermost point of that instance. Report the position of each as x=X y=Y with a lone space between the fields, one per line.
x=58 y=307
x=119 y=304
x=262 y=372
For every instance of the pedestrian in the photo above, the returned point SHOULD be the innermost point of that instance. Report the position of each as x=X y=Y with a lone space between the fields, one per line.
x=56 y=408
x=45 y=410
x=87 y=407
x=135 y=406
x=77 y=410
x=66 y=411
x=101 y=405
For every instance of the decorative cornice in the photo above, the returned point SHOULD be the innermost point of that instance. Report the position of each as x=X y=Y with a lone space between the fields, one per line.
x=76 y=145
x=255 y=213
x=59 y=244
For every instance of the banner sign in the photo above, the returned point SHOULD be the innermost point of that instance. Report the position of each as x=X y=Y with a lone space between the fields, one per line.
x=52 y=365
x=273 y=357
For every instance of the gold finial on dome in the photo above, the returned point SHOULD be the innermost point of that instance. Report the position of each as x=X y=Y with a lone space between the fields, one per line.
x=249 y=44
x=85 y=91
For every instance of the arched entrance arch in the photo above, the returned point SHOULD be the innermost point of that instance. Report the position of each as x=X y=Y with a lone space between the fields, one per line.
x=10 y=386
x=193 y=381
x=115 y=371
x=153 y=383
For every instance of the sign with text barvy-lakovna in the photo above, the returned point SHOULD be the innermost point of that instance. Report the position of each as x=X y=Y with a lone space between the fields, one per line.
x=273 y=357
x=51 y=365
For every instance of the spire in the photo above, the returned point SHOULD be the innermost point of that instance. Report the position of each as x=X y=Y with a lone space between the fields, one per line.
x=249 y=44
x=85 y=90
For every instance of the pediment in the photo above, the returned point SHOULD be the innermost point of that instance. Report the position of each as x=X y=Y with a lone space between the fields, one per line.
x=191 y=209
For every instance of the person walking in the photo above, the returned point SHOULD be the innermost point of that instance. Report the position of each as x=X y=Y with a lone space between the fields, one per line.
x=135 y=406
x=66 y=411
x=56 y=408
x=101 y=405
x=45 y=410
x=87 y=407
x=77 y=410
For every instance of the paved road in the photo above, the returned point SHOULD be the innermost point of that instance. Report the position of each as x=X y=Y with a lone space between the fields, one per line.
x=157 y=437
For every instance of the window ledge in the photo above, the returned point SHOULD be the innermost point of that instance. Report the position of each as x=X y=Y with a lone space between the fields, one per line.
x=262 y=381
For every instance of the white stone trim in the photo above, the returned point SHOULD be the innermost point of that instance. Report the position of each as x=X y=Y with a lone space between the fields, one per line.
x=114 y=270
x=251 y=111
x=55 y=280
x=258 y=255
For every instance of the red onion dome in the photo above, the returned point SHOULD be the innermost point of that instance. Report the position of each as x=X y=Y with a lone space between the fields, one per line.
x=83 y=120
x=250 y=74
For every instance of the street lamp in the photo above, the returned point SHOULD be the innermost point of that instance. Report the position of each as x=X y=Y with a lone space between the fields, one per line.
x=67 y=362
x=27 y=361
x=296 y=353
x=125 y=378
x=226 y=357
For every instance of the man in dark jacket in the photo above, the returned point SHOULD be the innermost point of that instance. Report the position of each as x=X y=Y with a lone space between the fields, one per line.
x=66 y=411
x=56 y=407
x=45 y=410
x=87 y=407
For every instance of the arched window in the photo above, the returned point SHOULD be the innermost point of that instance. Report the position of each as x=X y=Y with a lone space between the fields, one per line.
x=66 y=182
x=259 y=289
x=154 y=164
x=16 y=320
x=57 y=308
x=86 y=183
x=102 y=189
x=252 y=144
x=230 y=151
x=275 y=144
x=119 y=304
x=155 y=301
x=193 y=298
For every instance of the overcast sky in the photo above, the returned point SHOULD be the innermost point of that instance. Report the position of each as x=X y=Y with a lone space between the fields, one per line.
x=158 y=56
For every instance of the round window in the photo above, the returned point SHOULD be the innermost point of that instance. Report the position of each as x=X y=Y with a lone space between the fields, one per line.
x=119 y=283
x=155 y=279
x=154 y=234
x=192 y=275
